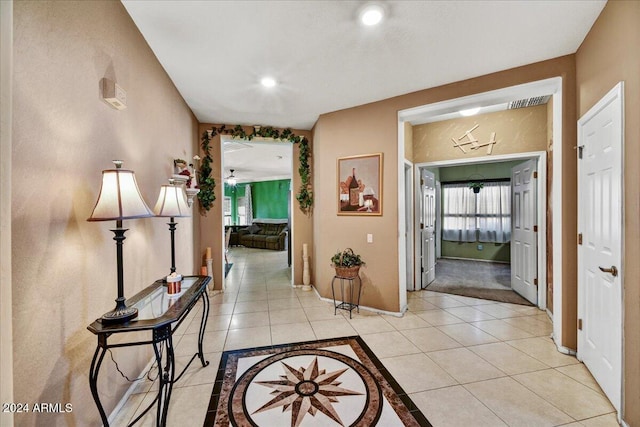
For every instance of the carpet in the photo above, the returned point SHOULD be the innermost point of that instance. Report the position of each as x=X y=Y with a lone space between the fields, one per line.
x=483 y=293
x=476 y=279
x=333 y=382
x=227 y=267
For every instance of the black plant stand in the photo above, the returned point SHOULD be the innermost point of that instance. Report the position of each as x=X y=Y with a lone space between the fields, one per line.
x=348 y=305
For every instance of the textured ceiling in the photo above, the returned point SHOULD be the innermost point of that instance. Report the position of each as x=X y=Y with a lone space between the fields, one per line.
x=324 y=60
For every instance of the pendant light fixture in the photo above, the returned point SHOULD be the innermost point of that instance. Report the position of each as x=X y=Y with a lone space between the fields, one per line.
x=231 y=179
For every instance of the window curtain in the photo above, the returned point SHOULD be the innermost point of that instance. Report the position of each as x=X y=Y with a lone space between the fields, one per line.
x=494 y=212
x=458 y=213
x=470 y=217
x=247 y=194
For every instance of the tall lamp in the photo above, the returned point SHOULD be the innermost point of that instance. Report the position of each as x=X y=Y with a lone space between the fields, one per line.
x=119 y=199
x=172 y=203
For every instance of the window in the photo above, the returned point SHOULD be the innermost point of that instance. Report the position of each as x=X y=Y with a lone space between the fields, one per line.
x=227 y=211
x=471 y=217
x=242 y=211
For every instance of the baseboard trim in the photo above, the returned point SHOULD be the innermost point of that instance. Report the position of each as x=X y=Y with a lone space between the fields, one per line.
x=562 y=349
x=364 y=307
x=141 y=378
x=371 y=309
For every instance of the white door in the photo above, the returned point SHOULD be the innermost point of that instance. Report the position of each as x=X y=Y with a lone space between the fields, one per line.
x=524 y=259
x=599 y=255
x=428 y=185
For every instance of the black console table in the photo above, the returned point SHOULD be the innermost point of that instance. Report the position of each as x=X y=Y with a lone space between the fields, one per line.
x=160 y=315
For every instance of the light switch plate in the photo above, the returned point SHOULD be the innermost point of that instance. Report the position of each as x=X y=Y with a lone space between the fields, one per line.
x=369 y=238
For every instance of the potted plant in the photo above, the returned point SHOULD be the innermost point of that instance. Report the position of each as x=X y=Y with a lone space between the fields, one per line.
x=476 y=186
x=347 y=263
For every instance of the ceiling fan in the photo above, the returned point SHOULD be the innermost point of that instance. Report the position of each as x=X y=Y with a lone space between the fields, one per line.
x=231 y=179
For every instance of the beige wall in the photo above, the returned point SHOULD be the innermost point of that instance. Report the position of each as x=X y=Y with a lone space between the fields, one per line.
x=517 y=131
x=373 y=128
x=609 y=54
x=342 y=134
x=64 y=135
x=211 y=229
x=6 y=84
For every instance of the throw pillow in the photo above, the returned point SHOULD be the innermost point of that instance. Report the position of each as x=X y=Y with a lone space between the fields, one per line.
x=253 y=229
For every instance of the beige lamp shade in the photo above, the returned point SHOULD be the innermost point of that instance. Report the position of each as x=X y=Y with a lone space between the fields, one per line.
x=172 y=202
x=119 y=197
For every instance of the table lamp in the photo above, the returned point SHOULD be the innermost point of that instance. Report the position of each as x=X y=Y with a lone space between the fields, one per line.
x=172 y=203
x=119 y=199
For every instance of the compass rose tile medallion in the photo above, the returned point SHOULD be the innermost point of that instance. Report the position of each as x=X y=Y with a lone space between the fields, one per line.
x=320 y=383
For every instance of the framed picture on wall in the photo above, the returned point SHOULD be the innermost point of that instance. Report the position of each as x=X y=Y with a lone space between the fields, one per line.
x=360 y=185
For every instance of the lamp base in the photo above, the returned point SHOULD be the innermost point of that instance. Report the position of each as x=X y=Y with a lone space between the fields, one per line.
x=163 y=279
x=120 y=315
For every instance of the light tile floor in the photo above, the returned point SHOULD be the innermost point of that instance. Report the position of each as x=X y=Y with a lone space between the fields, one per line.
x=464 y=361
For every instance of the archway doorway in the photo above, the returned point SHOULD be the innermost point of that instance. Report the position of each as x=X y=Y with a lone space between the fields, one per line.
x=257 y=220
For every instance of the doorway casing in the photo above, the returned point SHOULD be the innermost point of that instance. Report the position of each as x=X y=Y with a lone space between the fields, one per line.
x=551 y=86
x=541 y=209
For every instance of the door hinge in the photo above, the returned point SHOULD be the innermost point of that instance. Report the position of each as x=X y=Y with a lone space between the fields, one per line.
x=421 y=226
x=535 y=281
x=421 y=181
x=579 y=238
x=535 y=228
x=580 y=151
x=579 y=324
x=421 y=269
x=535 y=174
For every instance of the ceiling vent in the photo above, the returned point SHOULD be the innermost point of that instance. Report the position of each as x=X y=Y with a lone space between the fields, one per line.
x=230 y=146
x=529 y=102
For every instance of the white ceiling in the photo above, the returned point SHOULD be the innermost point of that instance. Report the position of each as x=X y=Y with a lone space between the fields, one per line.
x=257 y=161
x=324 y=60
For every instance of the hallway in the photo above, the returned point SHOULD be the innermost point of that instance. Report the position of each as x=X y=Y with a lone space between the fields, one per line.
x=463 y=361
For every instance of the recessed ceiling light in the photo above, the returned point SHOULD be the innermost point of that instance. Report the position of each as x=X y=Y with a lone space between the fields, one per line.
x=371 y=15
x=268 y=82
x=469 y=112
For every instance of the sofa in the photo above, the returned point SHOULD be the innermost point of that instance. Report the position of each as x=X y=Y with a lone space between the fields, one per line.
x=264 y=236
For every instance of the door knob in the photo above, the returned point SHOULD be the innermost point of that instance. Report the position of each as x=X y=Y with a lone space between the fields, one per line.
x=613 y=270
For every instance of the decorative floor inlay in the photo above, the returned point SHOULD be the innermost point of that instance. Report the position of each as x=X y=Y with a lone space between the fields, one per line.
x=334 y=382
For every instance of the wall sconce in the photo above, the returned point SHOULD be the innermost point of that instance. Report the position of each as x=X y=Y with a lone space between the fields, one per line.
x=119 y=199
x=191 y=194
x=187 y=176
